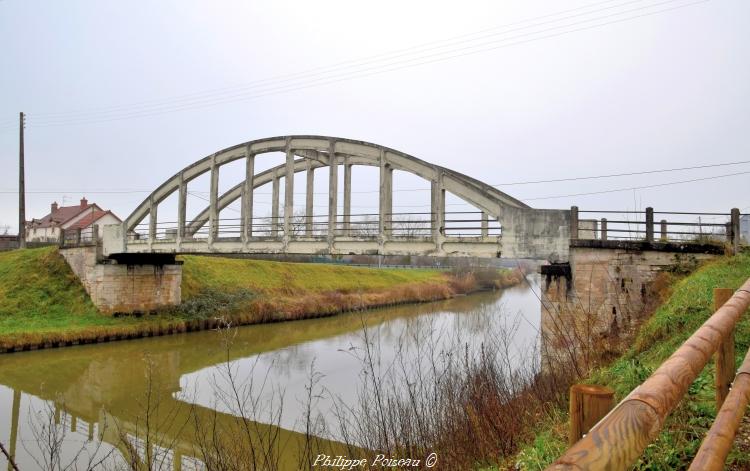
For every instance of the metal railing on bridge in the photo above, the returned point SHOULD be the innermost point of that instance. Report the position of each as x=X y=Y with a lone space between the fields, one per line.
x=79 y=237
x=657 y=226
x=618 y=439
x=403 y=226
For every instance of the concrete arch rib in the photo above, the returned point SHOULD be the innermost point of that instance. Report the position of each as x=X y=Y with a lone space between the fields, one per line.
x=316 y=148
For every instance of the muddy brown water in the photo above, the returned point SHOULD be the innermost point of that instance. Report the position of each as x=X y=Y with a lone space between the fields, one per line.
x=93 y=397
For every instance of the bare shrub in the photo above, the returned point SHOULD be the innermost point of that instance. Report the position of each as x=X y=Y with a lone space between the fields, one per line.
x=46 y=450
x=467 y=404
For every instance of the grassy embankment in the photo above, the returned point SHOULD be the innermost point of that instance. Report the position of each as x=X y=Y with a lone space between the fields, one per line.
x=42 y=303
x=688 y=306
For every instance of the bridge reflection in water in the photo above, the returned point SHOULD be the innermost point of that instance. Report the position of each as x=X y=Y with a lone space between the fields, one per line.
x=97 y=392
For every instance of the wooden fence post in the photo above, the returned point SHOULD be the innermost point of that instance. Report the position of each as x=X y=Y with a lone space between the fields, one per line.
x=663 y=224
x=725 y=353
x=604 y=229
x=588 y=405
x=78 y=237
x=649 y=224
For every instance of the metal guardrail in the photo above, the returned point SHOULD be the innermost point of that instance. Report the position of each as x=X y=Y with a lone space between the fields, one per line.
x=619 y=439
x=79 y=237
x=410 y=225
x=657 y=226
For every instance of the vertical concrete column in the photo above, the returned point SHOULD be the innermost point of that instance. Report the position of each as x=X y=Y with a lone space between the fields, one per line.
x=347 y=197
x=289 y=191
x=98 y=242
x=649 y=224
x=437 y=208
x=386 y=197
x=574 y=222
x=485 y=225
x=735 y=221
x=663 y=224
x=604 y=228
x=181 y=210
x=247 y=197
x=333 y=190
x=152 y=219
x=310 y=192
x=213 y=208
x=123 y=229
x=275 y=206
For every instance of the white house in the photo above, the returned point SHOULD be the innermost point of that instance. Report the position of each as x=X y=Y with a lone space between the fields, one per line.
x=82 y=216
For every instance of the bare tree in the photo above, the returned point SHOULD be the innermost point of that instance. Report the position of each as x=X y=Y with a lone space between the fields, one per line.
x=367 y=226
x=50 y=437
x=299 y=220
x=411 y=227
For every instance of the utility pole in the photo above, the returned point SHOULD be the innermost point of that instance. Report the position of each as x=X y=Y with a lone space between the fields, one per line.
x=21 y=188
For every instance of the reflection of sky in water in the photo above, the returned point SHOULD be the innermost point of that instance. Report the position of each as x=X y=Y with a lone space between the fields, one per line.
x=34 y=413
x=96 y=380
x=285 y=372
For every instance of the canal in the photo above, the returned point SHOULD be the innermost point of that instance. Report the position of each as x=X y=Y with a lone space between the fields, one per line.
x=157 y=399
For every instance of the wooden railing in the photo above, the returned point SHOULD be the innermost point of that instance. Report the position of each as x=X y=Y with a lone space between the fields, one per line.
x=619 y=439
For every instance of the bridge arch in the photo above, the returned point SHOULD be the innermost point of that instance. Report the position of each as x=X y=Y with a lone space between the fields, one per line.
x=305 y=153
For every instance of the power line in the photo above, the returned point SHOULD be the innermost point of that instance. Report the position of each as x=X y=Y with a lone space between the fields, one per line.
x=343 y=64
x=645 y=172
x=399 y=65
x=643 y=187
x=528 y=182
x=52 y=192
x=592 y=177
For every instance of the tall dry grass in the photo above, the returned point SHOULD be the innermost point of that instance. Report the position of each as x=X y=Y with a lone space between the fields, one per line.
x=469 y=404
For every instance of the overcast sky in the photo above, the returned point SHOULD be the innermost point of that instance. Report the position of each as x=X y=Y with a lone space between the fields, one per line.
x=121 y=95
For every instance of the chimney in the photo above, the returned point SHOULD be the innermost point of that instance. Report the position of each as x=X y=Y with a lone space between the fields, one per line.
x=84 y=202
x=53 y=207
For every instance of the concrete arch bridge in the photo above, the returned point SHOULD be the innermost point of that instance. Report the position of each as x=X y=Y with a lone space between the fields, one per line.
x=501 y=226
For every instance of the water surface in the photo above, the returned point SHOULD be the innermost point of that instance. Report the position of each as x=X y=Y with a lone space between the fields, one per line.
x=94 y=397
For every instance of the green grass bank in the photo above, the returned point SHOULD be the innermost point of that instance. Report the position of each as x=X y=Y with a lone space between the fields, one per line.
x=686 y=308
x=43 y=304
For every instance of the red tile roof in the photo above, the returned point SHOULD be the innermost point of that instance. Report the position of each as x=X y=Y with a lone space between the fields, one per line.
x=62 y=215
x=88 y=220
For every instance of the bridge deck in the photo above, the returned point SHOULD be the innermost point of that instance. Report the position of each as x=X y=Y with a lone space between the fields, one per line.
x=489 y=246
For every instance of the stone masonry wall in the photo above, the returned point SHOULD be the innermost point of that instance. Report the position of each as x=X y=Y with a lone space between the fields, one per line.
x=126 y=289
x=607 y=290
